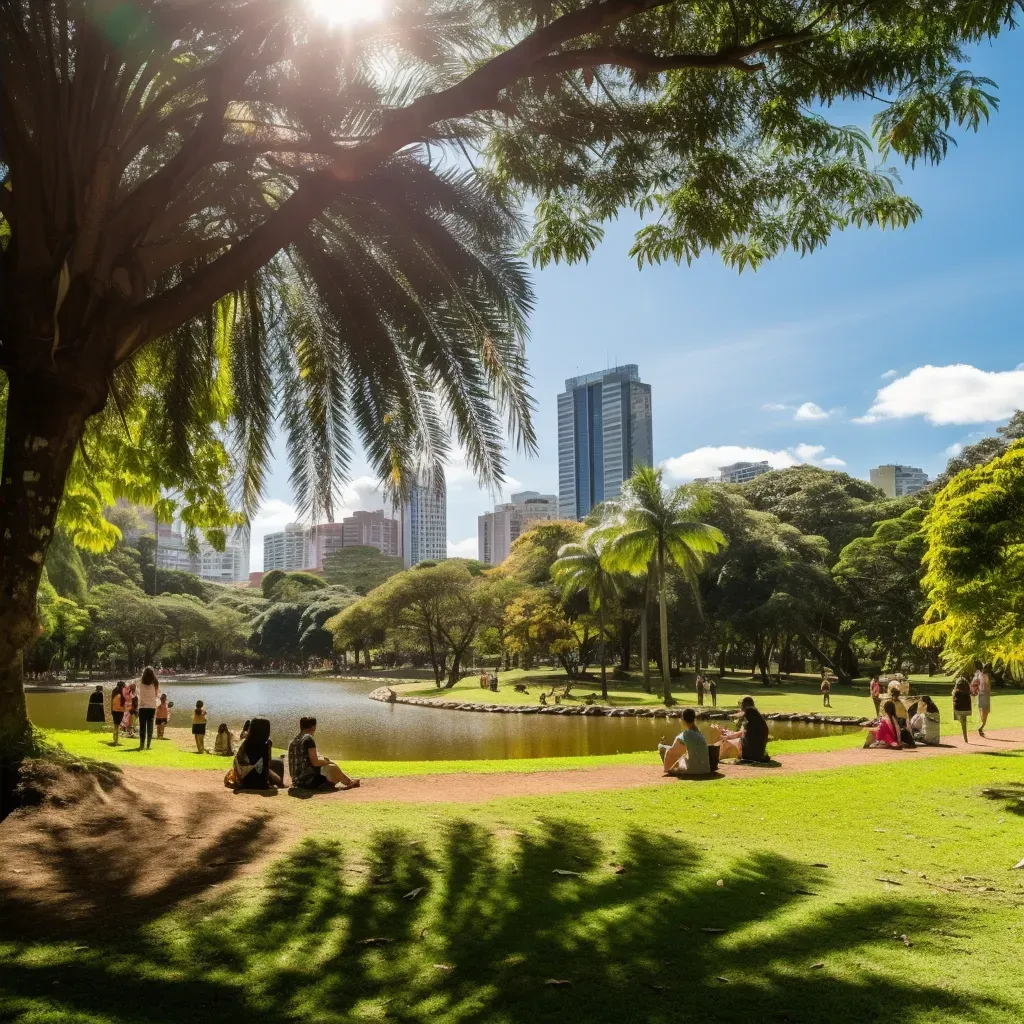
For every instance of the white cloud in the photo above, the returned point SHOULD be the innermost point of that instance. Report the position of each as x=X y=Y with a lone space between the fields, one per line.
x=955 y=394
x=776 y=407
x=810 y=411
x=706 y=461
x=889 y=374
x=467 y=548
x=274 y=515
x=954 y=449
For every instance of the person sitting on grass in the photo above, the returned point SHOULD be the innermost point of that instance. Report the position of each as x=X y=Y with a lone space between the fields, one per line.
x=224 y=743
x=962 y=704
x=305 y=765
x=752 y=736
x=887 y=732
x=902 y=715
x=252 y=765
x=925 y=724
x=688 y=755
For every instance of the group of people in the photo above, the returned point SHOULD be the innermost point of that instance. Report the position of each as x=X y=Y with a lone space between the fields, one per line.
x=690 y=753
x=133 y=704
x=709 y=686
x=489 y=680
x=899 y=728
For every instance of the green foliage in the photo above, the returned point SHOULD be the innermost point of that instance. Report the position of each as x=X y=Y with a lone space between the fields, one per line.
x=291 y=586
x=822 y=502
x=359 y=569
x=982 y=451
x=177 y=581
x=276 y=634
x=65 y=569
x=535 y=551
x=974 y=557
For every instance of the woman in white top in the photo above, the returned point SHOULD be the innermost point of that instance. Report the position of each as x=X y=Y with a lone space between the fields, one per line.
x=148 y=694
x=925 y=723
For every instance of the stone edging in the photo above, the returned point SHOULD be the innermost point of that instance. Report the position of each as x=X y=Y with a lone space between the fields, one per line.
x=389 y=696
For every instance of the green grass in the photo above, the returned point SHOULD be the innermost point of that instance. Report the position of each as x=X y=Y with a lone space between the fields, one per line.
x=787 y=874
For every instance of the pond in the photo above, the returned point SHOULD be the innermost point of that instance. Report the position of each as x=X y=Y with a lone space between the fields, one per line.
x=352 y=727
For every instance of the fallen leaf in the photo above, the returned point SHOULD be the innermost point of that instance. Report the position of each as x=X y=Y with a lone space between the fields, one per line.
x=818 y=966
x=415 y=892
x=1018 y=867
x=443 y=967
x=562 y=871
x=376 y=941
x=724 y=981
x=557 y=981
x=819 y=865
x=720 y=883
x=891 y=881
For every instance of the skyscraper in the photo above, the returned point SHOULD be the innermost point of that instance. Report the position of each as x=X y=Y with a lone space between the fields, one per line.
x=425 y=524
x=498 y=529
x=604 y=434
x=742 y=472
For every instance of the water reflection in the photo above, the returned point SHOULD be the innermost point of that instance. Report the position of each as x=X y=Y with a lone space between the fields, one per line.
x=353 y=727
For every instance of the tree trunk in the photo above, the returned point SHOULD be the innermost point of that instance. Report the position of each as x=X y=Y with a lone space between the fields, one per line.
x=666 y=672
x=721 y=661
x=45 y=422
x=645 y=656
x=604 y=678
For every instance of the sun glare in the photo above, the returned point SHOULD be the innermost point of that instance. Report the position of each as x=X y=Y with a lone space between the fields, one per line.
x=347 y=12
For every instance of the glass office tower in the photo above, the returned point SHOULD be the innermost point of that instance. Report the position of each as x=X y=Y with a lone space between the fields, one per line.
x=604 y=434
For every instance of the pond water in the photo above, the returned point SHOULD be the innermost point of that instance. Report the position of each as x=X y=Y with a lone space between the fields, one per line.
x=353 y=727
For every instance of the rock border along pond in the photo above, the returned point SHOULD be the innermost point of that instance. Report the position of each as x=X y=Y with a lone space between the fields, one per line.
x=389 y=696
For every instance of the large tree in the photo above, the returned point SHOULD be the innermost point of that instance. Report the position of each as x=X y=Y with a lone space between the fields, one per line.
x=232 y=193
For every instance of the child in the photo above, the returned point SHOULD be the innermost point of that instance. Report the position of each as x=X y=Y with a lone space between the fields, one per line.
x=223 y=743
x=962 y=704
x=163 y=716
x=199 y=727
x=117 y=711
x=826 y=692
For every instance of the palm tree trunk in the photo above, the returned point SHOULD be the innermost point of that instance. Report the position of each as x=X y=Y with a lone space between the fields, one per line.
x=645 y=656
x=666 y=672
x=604 y=678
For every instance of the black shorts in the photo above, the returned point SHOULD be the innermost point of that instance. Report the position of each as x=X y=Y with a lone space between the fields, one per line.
x=199 y=730
x=117 y=716
x=317 y=781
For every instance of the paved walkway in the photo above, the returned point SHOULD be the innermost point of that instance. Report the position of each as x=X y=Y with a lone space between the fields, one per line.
x=473 y=787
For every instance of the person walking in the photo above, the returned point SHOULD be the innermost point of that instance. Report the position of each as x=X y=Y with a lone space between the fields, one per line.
x=981 y=687
x=962 y=704
x=876 y=694
x=149 y=695
x=713 y=691
x=117 y=711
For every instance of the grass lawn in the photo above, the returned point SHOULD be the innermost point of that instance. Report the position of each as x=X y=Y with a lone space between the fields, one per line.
x=878 y=894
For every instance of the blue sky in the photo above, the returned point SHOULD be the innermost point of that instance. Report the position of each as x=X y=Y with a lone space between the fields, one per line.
x=733 y=358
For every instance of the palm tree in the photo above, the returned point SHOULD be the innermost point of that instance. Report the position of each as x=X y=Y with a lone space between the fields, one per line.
x=579 y=569
x=139 y=168
x=650 y=528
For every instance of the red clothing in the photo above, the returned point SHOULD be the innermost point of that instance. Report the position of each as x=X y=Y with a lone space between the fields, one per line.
x=885 y=734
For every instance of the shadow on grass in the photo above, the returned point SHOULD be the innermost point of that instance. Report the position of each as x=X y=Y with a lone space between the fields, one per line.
x=1011 y=796
x=477 y=928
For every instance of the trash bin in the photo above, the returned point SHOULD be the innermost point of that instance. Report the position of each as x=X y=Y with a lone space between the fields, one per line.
x=713 y=752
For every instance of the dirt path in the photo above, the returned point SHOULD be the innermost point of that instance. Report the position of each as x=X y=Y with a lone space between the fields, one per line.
x=471 y=788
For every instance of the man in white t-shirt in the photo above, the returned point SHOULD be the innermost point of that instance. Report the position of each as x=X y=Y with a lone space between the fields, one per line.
x=689 y=753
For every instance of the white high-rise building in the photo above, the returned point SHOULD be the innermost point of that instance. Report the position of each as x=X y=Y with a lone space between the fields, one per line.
x=498 y=529
x=898 y=481
x=604 y=434
x=425 y=524
x=288 y=549
x=741 y=472
x=228 y=566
